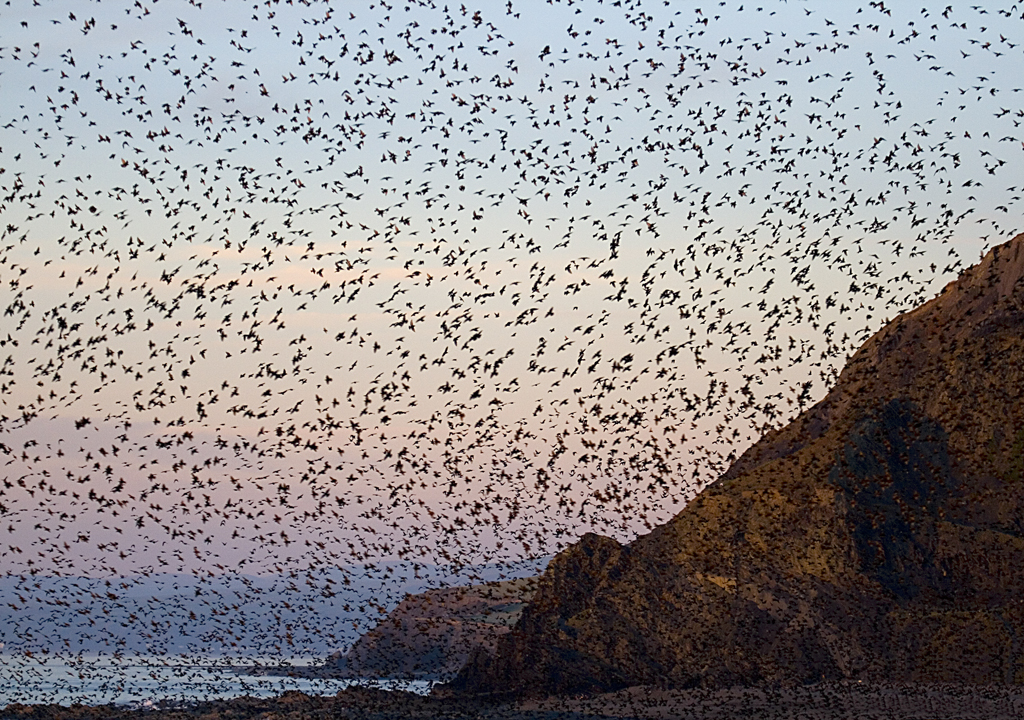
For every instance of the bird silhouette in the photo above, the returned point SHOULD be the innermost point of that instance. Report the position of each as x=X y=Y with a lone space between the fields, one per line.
x=307 y=309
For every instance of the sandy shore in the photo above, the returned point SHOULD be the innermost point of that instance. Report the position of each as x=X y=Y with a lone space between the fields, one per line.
x=819 y=702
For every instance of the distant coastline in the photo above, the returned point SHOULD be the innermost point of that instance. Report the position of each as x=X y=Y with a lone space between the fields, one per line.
x=328 y=671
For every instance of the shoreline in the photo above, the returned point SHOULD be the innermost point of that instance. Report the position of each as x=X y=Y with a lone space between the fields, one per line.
x=823 y=701
x=325 y=672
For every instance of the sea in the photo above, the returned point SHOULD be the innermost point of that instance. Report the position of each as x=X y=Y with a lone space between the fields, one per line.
x=143 y=681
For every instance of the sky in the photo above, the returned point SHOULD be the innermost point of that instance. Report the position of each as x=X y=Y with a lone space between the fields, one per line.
x=289 y=286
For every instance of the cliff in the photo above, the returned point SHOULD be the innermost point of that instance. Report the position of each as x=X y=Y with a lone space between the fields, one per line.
x=431 y=635
x=879 y=536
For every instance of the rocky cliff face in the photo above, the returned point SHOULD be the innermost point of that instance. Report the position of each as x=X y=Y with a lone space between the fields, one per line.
x=880 y=536
x=432 y=634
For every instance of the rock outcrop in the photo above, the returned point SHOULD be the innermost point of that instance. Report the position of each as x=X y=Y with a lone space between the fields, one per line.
x=879 y=536
x=431 y=635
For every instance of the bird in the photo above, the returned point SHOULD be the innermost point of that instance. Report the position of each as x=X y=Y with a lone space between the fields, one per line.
x=305 y=310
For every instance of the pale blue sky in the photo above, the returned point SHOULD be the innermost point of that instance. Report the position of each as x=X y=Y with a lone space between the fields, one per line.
x=467 y=284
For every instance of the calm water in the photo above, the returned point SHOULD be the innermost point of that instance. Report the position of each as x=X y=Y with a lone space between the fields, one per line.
x=137 y=680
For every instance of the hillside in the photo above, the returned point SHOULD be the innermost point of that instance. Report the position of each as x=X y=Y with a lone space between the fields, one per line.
x=431 y=635
x=879 y=536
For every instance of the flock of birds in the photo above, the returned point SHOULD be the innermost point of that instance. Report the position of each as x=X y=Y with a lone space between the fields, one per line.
x=294 y=289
